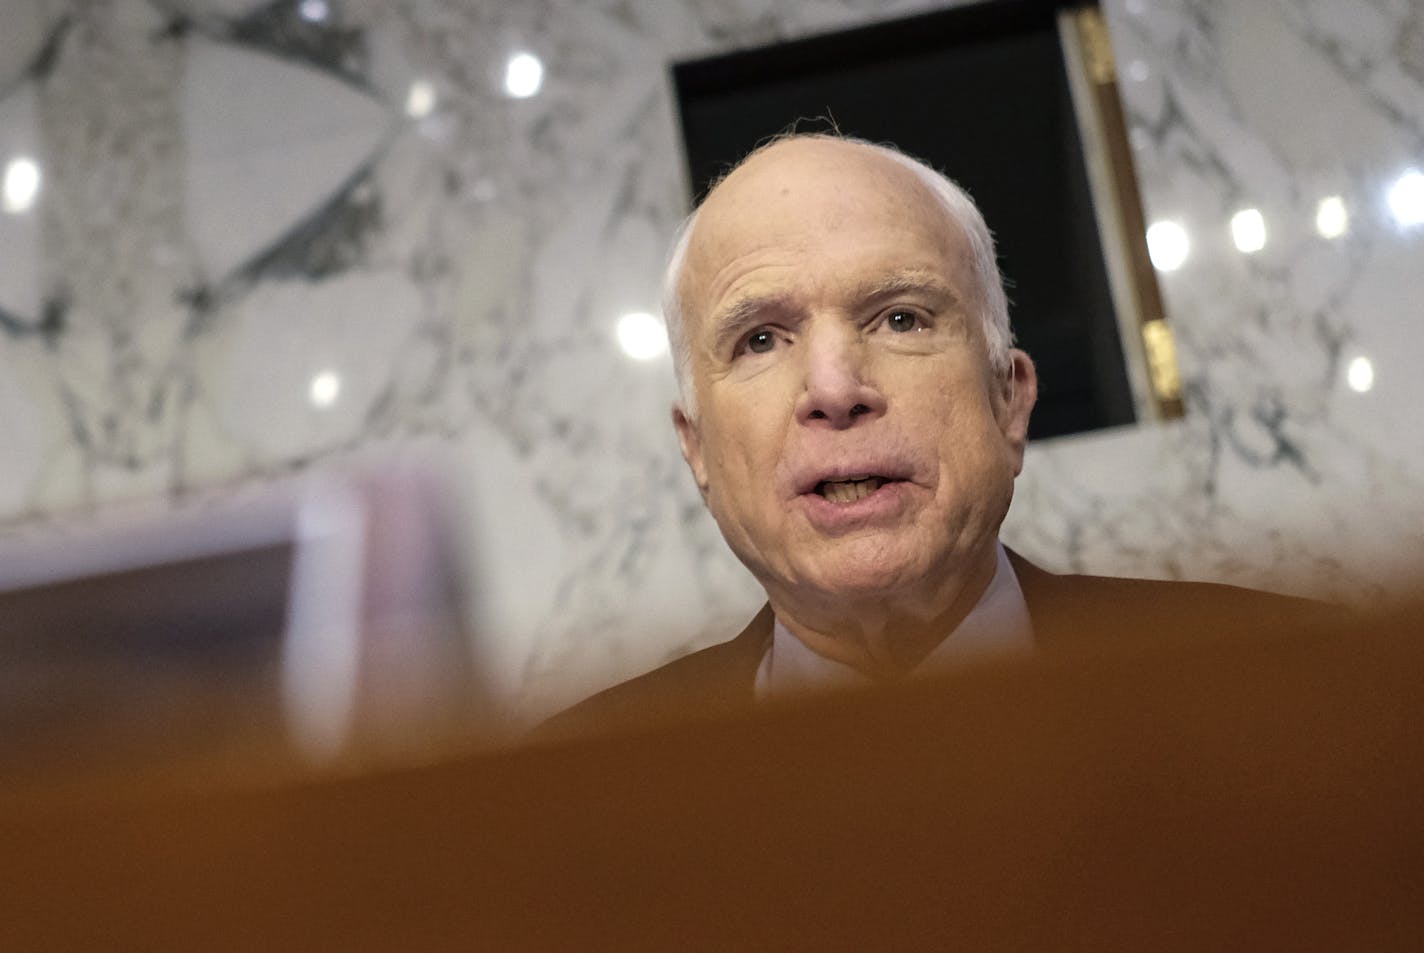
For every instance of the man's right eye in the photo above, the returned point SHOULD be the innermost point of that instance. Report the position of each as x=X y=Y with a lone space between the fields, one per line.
x=759 y=342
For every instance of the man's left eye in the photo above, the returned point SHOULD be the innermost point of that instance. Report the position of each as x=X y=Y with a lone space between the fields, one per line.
x=901 y=321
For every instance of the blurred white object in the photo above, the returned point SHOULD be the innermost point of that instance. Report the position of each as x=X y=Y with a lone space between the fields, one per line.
x=328 y=610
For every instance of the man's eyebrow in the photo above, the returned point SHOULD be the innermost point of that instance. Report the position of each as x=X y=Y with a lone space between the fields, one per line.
x=735 y=318
x=924 y=283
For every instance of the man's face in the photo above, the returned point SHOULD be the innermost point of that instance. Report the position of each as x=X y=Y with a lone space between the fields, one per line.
x=850 y=440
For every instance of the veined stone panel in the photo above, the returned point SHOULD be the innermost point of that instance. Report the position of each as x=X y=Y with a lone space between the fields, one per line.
x=438 y=266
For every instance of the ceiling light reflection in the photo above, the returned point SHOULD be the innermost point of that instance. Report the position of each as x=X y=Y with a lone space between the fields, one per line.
x=1331 y=217
x=1248 y=230
x=325 y=388
x=21 y=185
x=1360 y=375
x=1168 y=245
x=642 y=336
x=523 y=75
x=1406 y=198
x=420 y=100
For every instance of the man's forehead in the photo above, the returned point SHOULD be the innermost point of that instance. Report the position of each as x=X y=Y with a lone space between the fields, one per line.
x=797 y=192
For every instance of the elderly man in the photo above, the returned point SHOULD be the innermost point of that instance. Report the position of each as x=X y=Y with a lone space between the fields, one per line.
x=854 y=415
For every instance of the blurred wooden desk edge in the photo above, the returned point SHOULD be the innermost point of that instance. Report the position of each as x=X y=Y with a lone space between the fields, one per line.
x=1223 y=795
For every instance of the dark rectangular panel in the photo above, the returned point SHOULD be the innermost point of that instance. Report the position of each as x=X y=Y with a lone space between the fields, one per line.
x=980 y=92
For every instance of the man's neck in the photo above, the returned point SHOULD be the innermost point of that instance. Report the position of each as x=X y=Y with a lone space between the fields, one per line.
x=884 y=637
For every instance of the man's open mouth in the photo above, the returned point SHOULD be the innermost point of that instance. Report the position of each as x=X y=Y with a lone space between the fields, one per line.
x=851 y=488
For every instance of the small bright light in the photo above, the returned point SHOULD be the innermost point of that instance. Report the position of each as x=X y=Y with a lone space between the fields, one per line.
x=1360 y=375
x=523 y=75
x=1248 y=230
x=642 y=336
x=22 y=184
x=420 y=101
x=1406 y=198
x=313 y=11
x=1331 y=218
x=1137 y=71
x=1168 y=245
x=325 y=388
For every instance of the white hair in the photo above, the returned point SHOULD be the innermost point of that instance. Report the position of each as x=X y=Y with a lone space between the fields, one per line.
x=962 y=211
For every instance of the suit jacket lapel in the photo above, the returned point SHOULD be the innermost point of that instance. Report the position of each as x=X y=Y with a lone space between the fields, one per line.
x=1041 y=589
x=735 y=663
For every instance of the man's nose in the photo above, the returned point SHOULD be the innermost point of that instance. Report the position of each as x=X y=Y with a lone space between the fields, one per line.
x=838 y=391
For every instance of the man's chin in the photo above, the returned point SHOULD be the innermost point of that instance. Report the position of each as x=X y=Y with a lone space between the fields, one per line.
x=852 y=581
x=870 y=571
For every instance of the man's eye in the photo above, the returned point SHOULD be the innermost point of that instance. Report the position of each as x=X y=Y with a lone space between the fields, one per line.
x=761 y=341
x=900 y=321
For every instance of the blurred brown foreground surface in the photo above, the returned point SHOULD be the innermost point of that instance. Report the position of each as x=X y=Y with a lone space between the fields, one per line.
x=1258 y=794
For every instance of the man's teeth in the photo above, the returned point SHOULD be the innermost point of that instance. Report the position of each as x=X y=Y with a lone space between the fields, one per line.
x=848 y=491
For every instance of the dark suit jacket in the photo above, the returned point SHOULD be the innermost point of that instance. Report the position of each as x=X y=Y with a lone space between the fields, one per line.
x=1081 y=613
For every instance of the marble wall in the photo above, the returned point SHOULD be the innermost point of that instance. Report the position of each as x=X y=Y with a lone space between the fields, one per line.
x=245 y=239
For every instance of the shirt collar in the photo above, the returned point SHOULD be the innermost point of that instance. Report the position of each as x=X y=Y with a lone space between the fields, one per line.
x=997 y=625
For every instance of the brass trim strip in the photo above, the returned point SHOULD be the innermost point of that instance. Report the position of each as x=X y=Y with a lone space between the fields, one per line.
x=1126 y=236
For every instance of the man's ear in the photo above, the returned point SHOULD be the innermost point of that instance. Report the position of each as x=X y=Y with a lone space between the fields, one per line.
x=1020 y=392
x=690 y=437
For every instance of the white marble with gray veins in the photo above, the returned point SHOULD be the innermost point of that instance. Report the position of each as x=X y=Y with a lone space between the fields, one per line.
x=237 y=203
x=1281 y=475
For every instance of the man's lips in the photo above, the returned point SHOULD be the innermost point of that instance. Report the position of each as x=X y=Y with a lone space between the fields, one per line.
x=855 y=502
x=846 y=485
